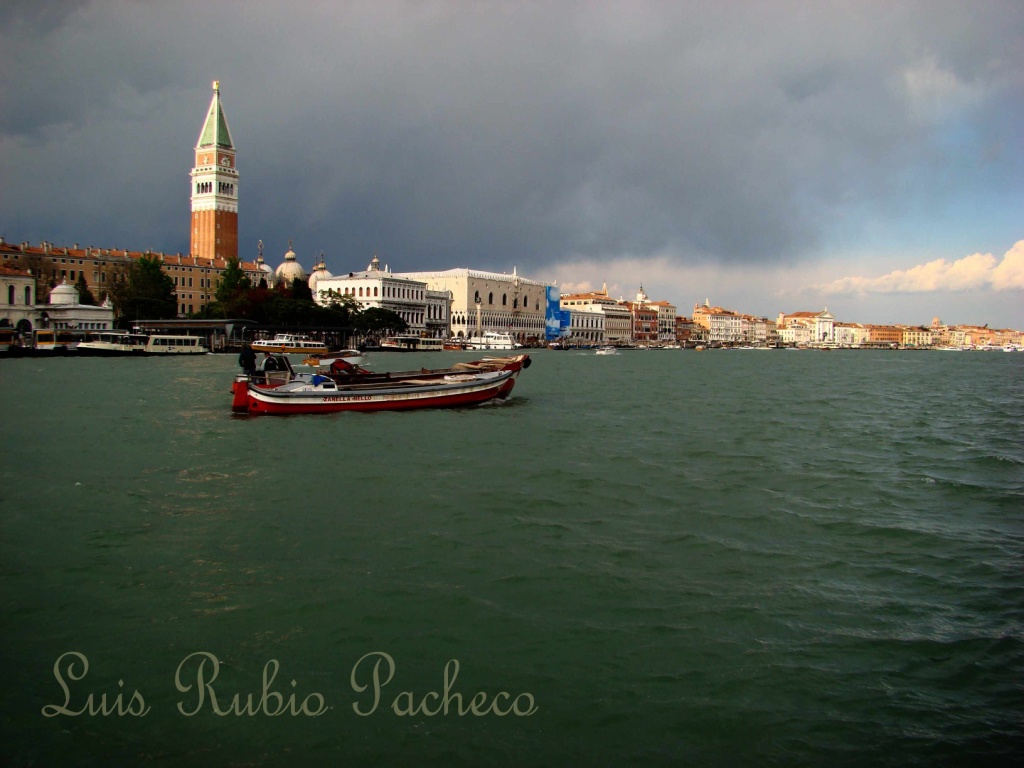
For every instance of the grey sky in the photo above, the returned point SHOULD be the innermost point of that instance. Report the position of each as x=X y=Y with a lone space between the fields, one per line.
x=784 y=135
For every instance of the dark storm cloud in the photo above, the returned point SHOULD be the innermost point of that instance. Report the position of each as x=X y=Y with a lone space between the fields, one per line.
x=497 y=134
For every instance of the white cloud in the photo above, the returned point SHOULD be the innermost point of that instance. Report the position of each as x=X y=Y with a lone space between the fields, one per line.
x=974 y=272
x=933 y=91
x=1009 y=275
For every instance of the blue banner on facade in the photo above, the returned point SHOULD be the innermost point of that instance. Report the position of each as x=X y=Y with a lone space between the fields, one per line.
x=565 y=324
x=553 y=314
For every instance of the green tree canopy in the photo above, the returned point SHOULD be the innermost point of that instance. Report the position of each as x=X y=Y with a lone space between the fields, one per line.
x=84 y=294
x=380 y=320
x=233 y=281
x=141 y=289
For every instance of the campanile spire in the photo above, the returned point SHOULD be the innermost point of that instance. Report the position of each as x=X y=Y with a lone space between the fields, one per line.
x=215 y=187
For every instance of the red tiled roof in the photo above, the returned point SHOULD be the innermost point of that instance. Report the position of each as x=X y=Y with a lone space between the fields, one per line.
x=8 y=270
x=173 y=259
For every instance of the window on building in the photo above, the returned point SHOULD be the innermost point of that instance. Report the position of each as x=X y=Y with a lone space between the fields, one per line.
x=28 y=295
x=10 y=294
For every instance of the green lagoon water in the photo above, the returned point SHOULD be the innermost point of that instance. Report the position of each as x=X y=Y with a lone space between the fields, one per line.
x=665 y=558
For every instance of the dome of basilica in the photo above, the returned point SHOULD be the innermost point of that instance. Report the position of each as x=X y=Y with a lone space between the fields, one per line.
x=290 y=270
x=265 y=270
x=319 y=273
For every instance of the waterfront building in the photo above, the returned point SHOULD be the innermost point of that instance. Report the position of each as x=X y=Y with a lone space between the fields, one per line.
x=719 y=325
x=981 y=336
x=753 y=330
x=918 y=337
x=17 y=292
x=214 y=225
x=438 y=313
x=684 y=329
x=376 y=287
x=62 y=311
x=617 y=324
x=586 y=326
x=195 y=279
x=758 y=331
x=644 y=319
x=489 y=301
x=818 y=326
x=796 y=334
x=1007 y=336
x=940 y=333
x=847 y=334
x=959 y=336
x=666 y=321
x=882 y=336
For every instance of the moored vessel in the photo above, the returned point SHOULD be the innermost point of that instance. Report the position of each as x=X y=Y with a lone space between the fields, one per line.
x=290 y=343
x=492 y=340
x=346 y=387
x=113 y=344
x=175 y=345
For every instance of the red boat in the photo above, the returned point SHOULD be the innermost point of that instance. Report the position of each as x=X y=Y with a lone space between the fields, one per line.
x=347 y=387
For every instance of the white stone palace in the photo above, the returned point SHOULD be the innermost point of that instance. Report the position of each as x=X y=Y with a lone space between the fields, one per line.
x=425 y=310
x=489 y=301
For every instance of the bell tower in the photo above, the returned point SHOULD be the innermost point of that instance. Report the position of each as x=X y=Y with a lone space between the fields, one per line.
x=215 y=188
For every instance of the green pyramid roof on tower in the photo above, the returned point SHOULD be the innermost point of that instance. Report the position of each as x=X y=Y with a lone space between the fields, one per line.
x=215 y=130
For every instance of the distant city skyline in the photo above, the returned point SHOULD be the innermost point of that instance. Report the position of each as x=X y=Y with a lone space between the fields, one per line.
x=776 y=158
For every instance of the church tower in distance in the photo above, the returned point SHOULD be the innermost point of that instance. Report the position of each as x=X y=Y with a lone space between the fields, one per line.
x=215 y=188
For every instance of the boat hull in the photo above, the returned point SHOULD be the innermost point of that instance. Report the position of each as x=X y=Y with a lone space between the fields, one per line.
x=256 y=400
x=321 y=394
x=289 y=349
x=83 y=351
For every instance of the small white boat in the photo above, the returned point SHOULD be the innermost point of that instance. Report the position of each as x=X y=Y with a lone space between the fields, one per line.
x=175 y=345
x=113 y=344
x=606 y=351
x=290 y=343
x=411 y=343
x=492 y=340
